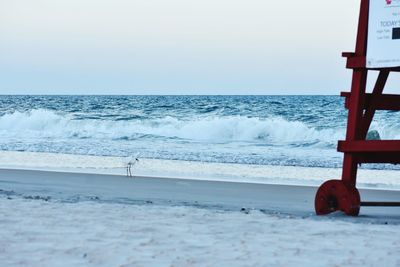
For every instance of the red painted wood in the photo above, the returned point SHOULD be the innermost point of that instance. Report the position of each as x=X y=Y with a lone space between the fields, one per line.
x=381 y=102
x=348 y=54
x=356 y=62
x=362 y=107
x=369 y=146
x=371 y=105
x=378 y=157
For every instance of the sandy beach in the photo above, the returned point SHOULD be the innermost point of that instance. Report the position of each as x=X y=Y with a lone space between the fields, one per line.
x=64 y=218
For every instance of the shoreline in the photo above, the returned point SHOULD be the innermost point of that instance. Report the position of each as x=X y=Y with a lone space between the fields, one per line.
x=190 y=170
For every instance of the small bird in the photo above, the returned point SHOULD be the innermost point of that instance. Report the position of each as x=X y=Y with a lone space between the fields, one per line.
x=131 y=161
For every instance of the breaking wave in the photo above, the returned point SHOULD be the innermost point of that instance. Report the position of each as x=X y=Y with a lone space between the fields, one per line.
x=274 y=130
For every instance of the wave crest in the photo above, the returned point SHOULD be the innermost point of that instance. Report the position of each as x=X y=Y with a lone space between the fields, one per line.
x=274 y=130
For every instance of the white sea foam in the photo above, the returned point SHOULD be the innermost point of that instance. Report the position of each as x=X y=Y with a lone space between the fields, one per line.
x=291 y=175
x=277 y=130
x=224 y=139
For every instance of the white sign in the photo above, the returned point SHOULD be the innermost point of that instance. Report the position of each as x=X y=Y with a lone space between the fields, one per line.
x=383 y=34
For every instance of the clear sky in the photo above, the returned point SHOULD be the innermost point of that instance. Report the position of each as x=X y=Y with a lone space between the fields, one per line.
x=175 y=46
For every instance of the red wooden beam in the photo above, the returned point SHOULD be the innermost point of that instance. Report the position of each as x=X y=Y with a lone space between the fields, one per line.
x=356 y=62
x=383 y=157
x=369 y=146
x=359 y=62
x=370 y=106
x=358 y=88
x=382 y=102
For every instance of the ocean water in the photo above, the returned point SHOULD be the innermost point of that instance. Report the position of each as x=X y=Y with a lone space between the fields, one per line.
x=263 y=130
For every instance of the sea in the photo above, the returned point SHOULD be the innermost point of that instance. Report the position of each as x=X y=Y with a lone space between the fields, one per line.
x=254 y=130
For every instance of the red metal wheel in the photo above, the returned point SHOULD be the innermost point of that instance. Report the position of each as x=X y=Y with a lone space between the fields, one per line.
x=335 y=195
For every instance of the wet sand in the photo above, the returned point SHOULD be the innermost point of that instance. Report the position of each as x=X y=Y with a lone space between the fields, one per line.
x=276 y=199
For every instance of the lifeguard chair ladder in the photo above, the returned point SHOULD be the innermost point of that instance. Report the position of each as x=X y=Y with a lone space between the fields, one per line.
x=342 y=195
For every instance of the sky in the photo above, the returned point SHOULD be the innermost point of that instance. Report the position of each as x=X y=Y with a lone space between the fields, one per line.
x=175 y=46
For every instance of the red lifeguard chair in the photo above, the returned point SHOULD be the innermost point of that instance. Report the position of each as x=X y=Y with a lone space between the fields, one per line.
x=342 y=195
